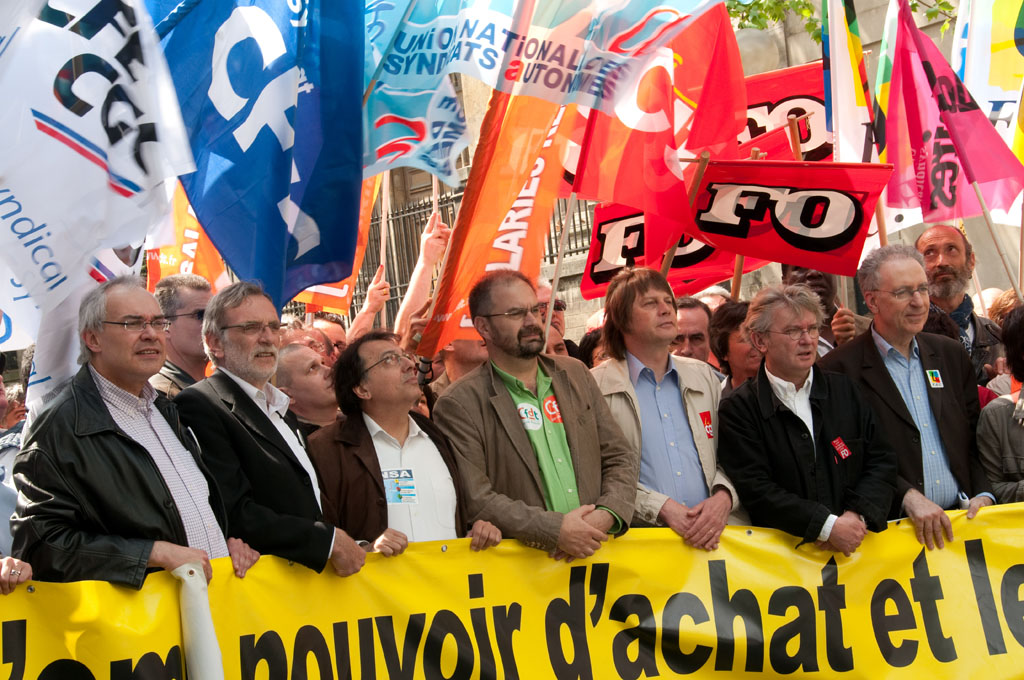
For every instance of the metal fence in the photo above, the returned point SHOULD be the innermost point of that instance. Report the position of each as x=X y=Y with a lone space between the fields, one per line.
x=406 y=225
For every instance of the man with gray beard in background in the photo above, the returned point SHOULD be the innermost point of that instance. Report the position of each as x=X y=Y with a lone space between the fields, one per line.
x=949 y=264
x=259 y=461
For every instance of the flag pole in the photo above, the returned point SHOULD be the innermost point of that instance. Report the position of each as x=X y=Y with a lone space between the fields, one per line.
x=385 y=216
x=570 y=208
x=999 y=248
x=391 y=44
x=702 y=165
x=737 y=269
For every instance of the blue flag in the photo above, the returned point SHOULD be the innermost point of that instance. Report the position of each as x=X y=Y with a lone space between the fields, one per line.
x=271 y=94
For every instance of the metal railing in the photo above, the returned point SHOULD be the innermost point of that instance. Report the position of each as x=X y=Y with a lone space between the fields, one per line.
x=406 y=224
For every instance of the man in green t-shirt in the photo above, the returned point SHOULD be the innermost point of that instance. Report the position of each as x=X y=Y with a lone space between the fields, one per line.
x=538 y=450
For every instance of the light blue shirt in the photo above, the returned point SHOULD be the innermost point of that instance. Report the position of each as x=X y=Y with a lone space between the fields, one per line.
x=669 y=462
x=940 y=486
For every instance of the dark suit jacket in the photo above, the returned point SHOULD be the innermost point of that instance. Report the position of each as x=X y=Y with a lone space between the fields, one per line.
x=268 y=494
x=955 y=407
x=352 y=489
x=789 y=481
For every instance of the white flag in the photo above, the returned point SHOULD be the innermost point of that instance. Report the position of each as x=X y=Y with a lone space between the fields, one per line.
x=90 y=128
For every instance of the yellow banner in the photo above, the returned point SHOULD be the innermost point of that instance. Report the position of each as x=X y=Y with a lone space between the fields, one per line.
x=644 y=606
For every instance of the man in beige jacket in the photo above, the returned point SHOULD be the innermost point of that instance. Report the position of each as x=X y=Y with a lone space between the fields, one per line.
x=667 y=407
x=538 y=451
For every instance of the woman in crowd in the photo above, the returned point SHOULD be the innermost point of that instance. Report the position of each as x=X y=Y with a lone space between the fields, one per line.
x=738 y=359
x=1001 y=426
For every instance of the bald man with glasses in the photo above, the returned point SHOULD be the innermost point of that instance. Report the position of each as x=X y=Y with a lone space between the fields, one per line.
x=250 y=442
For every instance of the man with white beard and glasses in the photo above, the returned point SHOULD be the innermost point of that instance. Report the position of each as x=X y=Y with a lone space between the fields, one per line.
x=268 y=482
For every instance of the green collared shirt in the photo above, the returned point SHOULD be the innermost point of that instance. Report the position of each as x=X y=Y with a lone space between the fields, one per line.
x=542 y=419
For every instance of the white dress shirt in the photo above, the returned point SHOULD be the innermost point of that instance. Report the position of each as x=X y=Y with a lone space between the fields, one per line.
x=418 y=486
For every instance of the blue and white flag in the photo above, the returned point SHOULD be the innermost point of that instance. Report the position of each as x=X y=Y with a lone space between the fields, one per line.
x=271 y=95
x=89 y=132
x=587 y=52
x=423 y=129
x=420 y=128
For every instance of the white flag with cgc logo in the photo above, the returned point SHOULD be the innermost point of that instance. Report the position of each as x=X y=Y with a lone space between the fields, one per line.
x=90 y=128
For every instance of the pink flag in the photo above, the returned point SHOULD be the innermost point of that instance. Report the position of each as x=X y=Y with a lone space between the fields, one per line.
x=939 y=139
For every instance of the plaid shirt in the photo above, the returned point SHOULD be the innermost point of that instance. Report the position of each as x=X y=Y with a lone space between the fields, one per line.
x=137 y=417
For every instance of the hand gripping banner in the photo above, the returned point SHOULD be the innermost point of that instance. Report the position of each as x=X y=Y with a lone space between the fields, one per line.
x=645 y=605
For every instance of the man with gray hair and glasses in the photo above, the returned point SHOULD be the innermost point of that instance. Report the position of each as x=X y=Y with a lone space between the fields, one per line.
x=254 y=451
x=110 y=483
x=801 y=446
x=183 y=299
x=922 y=388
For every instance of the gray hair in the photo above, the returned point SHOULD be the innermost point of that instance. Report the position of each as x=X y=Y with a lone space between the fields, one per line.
x=797 y=299
x=225 y=300
x=868 y=275
x=93 y=309
x=168 y=290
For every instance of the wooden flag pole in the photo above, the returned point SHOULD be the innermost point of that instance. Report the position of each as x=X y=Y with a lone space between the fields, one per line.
x=737 y=270
x=794 y=137
x=435 y=192
x=1014 y=281
x=570 y=208
x=391 y=44
x=385 y=216
x=698 y=175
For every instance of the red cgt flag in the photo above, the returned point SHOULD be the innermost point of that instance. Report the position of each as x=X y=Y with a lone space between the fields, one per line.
x=808 y=214
x=620 y=238
x=688 y=99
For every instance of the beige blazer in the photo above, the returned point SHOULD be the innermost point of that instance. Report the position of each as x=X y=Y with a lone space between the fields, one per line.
x=701 y=392
x=497 y=463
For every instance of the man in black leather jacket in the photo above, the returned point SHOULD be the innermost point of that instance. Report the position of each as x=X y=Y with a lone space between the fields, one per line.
x=110 y=484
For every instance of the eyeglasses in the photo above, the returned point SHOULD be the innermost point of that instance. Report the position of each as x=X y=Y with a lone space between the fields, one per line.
x=393 y=358
x=560 y=306
x=904 y=294
x=256 y=327
x=796 y=333
x=138 y=325
x=197 y=315
x=518 y=313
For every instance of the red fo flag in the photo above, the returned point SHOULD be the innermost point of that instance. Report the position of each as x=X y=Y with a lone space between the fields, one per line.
x=773 y=96
x=620 y=238
x=939 y=139
x=808 y=214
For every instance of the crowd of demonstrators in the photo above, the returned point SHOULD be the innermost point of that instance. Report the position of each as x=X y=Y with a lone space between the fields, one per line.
x=212 y=427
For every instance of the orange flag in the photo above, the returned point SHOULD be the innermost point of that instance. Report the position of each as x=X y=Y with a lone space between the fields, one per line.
x=337 y=297
x=192 y=252
x=506 y=210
